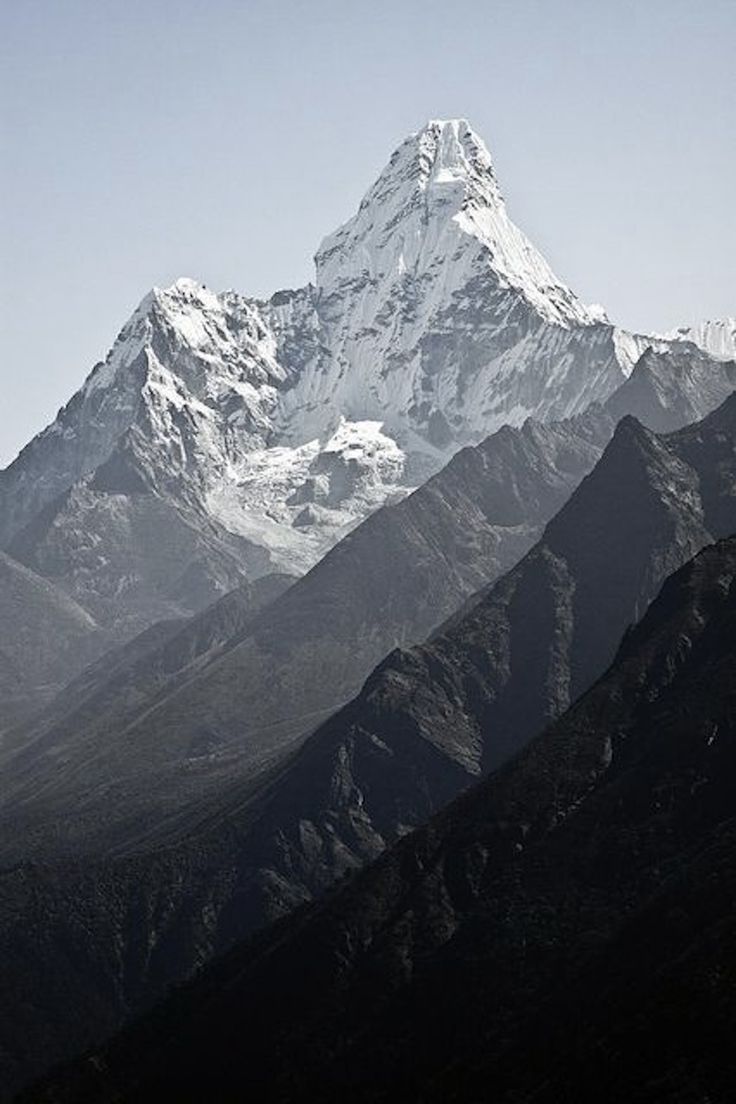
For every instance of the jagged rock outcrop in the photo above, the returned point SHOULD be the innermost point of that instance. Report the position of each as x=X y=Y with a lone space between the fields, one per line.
x=669 y=388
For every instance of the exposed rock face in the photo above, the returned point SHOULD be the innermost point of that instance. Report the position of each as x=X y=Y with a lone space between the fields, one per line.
x=131 y=556
x=564 y=931
x=669 y=388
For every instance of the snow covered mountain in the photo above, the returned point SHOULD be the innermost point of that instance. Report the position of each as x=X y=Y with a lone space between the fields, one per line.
x=225 y=437
x=429 y=301
x=717 y=337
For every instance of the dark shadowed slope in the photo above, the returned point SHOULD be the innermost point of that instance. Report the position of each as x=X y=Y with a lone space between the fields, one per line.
x=565 y=931
x=128 y=681
x=431 y=719
x=427 y=723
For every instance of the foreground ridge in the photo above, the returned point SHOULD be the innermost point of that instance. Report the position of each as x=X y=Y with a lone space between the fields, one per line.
x=477 y=949
x=429 y=721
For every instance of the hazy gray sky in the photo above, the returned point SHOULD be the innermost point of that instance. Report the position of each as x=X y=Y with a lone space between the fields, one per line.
x=222 y=139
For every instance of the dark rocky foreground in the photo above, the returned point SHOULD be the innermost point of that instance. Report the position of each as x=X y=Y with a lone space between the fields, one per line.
x=564 y=931
x=108 y=936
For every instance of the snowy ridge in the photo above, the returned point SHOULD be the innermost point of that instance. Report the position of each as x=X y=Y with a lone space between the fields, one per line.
x=438 y=317
x=715 y=337
x=207 y=349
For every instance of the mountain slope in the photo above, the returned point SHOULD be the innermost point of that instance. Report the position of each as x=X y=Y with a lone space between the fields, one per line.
x=131 y=555
x=129 y=678
x=440 y=314
x=428 y=722
x=45 y=639
x=669 y=388
x=431 y=719
x=564 y=931
x=391 y=581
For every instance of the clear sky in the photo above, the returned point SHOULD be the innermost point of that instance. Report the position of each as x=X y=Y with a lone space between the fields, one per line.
x=221 y=139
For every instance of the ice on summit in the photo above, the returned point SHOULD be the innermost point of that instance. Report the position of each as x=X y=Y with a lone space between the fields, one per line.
x=439 y=199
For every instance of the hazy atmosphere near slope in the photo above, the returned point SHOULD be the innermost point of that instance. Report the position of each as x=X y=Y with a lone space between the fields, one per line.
x=635 y=216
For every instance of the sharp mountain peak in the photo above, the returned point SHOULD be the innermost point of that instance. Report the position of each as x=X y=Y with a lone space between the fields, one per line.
x=434 y=207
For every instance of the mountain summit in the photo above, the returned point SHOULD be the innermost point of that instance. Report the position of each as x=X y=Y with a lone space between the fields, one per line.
x=438 y=317
x=438 y=199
